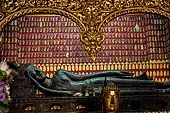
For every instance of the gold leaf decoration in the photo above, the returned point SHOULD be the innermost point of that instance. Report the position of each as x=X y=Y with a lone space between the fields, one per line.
x=90 y=15
x=93 y=41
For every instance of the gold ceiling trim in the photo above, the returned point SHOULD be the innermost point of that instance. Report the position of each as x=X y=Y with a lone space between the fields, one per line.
x=90 y=15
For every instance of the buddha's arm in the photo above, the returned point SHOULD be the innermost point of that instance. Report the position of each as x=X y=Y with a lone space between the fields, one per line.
x=116 y=74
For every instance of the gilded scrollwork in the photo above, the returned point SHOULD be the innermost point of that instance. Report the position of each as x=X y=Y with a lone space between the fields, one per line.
x=90 y=15
x=165 y=5
x=7 y=5
x=25 y=3
x=0 y=42
x=94 y=39
x=1 y=16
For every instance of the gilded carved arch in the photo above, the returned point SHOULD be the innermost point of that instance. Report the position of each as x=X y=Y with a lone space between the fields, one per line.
x=132 y=10
x=27 y=11
x=90 y=15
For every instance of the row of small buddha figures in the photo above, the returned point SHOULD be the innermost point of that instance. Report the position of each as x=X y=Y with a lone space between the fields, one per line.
x=69 y=57
x=158 y=66
x=141 y=23
x=125 y=49
x=44 y=18
x=50 y=36
x=131 y=44
x=69 y=60
x=62 y=51
x=156 y=19
x=77 y=30
x=149 y=65
x=50 y=60
x=46 y=53
x=49 y=30
x=160 y=36
x=141 y=36
x=14 y=35
x=47 y=24
x=161 y=42
x=105 y=66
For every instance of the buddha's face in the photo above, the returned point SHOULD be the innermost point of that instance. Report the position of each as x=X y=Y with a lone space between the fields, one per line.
x=111 y=100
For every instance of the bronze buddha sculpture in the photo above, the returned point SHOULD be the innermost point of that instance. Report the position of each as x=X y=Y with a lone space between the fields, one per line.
x=66 y=83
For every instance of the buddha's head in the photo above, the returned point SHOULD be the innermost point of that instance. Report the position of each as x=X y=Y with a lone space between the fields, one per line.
x=111 y=98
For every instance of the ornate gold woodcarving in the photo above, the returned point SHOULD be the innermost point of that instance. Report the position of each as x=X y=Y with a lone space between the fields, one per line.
x=90 y=15
x=0 y=42
x=93 y=41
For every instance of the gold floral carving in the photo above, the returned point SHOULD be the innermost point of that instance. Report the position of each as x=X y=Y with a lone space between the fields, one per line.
x=90 y=15
x=93 y=41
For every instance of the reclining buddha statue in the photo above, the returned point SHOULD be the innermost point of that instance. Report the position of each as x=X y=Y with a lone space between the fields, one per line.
x=67 y=83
